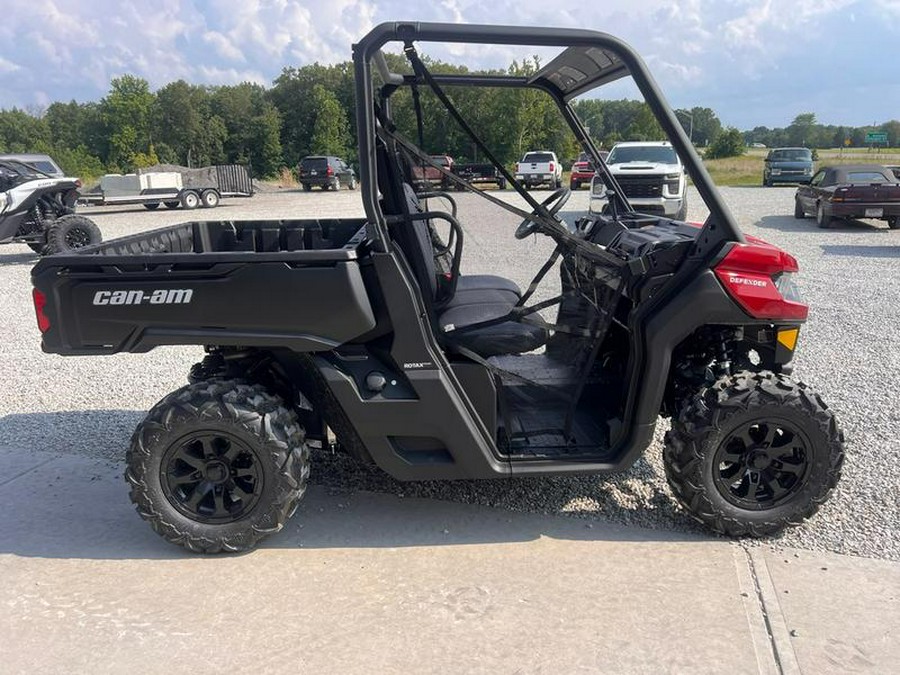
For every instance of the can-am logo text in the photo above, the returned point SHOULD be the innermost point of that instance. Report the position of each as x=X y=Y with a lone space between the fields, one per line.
x=173 y=296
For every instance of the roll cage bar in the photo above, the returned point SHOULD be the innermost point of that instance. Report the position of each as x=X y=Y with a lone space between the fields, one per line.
x=590 y=59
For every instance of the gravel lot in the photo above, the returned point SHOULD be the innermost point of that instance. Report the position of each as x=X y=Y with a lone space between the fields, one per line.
x=848 y=351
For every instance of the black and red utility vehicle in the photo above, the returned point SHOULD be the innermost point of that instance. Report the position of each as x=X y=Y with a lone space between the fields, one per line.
x=353 y=325
x=850 y=191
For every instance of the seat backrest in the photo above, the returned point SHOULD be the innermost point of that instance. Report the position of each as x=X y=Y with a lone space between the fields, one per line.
x=412 y=236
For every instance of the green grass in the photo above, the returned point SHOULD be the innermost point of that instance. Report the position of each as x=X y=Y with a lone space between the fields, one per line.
x=748 y=169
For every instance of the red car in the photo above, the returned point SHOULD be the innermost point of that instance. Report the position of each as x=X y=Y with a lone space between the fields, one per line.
x=583 y=170
x=850 y=191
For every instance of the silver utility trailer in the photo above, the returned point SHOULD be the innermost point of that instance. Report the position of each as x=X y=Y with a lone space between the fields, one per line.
x=188 y=189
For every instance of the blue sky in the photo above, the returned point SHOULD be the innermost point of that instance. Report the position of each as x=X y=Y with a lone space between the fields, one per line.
x=755 y=62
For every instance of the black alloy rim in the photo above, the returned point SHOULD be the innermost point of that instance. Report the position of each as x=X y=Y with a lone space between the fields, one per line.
x=77 y=237
x=212 y=477
x=762 y=464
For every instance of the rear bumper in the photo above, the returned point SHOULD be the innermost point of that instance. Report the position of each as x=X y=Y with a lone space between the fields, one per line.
x=864 y=210
x=317 y=181
x=581 y=177
x=535 y=178
x=788 y=178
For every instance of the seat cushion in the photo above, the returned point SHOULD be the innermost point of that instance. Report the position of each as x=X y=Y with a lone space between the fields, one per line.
x=467 y=282
x=483 y=296
x=508 y=337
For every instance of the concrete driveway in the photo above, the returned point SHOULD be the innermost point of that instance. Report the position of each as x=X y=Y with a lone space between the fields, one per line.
x=361 y=582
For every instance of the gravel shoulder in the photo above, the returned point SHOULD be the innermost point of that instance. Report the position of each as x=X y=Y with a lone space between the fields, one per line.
x=848 y=352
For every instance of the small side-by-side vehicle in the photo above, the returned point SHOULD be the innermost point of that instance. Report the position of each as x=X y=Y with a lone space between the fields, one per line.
x=366 y=329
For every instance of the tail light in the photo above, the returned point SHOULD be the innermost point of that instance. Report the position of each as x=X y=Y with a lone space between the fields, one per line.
x=761 y=280
x=40 y=301
x=329 y=171
x=552 y=167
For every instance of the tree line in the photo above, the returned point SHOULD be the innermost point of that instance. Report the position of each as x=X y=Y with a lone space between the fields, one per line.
x=310 y=110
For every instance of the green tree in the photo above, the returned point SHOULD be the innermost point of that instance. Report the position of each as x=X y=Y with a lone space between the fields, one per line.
x=702 y=124
x=330 y=129
x=292 y=95
x=126 y=113
x=644 y=126
x=729 y=143
x=801 y=130
x=252 y=127
x=21 y=132
x=180 y=123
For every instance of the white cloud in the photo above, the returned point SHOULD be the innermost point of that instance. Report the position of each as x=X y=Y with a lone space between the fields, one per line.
x=7 y=66
x=703 y=52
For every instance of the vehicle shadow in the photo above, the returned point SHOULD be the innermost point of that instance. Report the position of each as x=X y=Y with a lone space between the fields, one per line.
x=862 y=251
x=56 y=502
x=808 y=225
x=13 y=259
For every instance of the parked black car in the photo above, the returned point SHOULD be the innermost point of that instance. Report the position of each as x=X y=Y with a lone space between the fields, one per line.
x=326 y=172
x=850 y=191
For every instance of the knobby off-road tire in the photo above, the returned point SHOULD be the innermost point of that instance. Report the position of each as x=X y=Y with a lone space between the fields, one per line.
x=217 y=466
x=753 y=423
x=70 y=232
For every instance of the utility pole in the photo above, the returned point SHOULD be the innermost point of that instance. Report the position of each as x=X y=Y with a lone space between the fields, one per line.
x=690 y=117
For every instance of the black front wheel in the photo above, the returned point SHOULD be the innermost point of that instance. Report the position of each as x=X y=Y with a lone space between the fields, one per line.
x=753 y=454
x=799 y=213
x=217 y=466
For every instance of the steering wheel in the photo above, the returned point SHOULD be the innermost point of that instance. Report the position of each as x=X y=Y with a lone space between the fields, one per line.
x=528 y=226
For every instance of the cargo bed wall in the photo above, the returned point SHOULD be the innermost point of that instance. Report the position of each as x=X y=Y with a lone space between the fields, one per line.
x=261 y=283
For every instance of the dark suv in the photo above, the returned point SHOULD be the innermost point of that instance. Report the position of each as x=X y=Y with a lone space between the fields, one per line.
x=788 y=165
x=326 y=172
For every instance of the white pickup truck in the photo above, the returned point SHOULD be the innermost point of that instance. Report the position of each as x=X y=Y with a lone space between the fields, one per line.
x=539 y=168
x=650 y=174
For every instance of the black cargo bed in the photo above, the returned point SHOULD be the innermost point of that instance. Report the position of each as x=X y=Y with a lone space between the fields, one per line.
x=291 y=283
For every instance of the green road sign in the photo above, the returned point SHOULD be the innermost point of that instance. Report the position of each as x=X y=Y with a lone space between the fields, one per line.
x=876 y=137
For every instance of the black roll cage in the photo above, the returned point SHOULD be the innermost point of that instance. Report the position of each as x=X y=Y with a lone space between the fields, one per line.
x=590 y=60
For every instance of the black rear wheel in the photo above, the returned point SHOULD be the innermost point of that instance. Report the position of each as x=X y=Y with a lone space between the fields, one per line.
x=152 y=206
x=218 y=465
x=71 y=232
x=753 y=454
x=894 y=223
x=823 y=220
x=799 y=213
